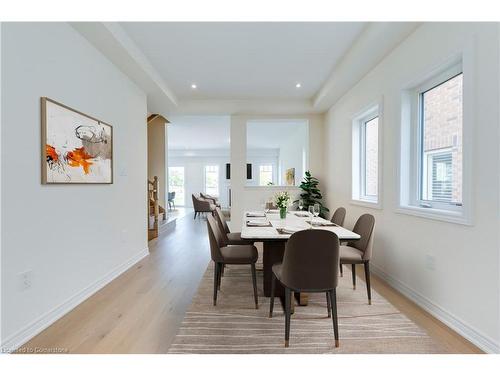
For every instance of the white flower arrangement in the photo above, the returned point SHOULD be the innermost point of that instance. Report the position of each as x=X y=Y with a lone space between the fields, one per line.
x=283 y=199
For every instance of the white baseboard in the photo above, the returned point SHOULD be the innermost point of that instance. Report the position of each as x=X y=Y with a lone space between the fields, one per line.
x=32 y=329
x=483 y=342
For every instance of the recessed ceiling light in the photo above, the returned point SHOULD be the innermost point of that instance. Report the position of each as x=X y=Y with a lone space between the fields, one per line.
x=298 y=85
x=193 y=86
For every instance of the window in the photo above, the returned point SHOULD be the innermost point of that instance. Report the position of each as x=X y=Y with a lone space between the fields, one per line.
x=265 y=175
x=212 y=180
x=369 y=159
x=366 y=158
x=434 y=179
x=440 y=151
x=176 y=184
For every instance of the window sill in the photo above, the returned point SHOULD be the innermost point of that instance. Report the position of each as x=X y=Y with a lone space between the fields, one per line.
x=366 y=203
x=435 y=214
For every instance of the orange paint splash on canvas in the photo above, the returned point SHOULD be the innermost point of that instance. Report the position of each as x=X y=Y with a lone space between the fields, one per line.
x=79 y=157
x=51 y=153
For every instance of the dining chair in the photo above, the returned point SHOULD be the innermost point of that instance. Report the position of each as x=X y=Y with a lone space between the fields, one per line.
x=202 y=205
x=210 y=198
x=360 y=251
x=339 y=216
x=223 y=254
x=230 y=238
x=310 y=264
x=171 y=199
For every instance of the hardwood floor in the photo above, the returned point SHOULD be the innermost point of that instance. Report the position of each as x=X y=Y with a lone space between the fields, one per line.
x=140 y=311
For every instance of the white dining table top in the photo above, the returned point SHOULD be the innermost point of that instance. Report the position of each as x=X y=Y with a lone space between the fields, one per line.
x=291 y=221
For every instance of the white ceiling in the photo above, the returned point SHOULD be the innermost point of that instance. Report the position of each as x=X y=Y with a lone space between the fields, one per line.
x=244 y=60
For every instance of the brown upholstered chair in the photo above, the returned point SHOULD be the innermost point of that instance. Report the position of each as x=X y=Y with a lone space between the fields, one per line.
x=339 y=216
x=232 y=254
x=230 y=238
x=310 y=264
x=202 y=205
x=360 y=251
x=213 y=200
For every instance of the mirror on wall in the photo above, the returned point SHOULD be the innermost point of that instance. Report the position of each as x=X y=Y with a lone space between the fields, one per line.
x=278 y=151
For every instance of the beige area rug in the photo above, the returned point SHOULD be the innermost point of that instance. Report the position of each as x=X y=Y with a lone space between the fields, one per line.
x=235 y=326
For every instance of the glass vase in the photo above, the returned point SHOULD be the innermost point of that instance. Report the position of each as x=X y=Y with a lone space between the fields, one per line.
x=283 y=213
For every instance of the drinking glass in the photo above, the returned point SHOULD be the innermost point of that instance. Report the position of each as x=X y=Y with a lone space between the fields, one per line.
x=311 y=214
x=316 y=210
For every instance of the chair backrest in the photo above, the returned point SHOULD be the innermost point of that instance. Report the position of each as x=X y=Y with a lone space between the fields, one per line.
x=364 y=227
x=311 y=260
x=216 y=240
x=222 y=220
x=195 y=201
x=339 y=216
x=271 y=206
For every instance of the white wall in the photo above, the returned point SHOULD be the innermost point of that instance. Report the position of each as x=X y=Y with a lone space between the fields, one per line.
x=194 y=162
x=250 y=197
x=74 y=238
x=294 y=153
x=463 y=288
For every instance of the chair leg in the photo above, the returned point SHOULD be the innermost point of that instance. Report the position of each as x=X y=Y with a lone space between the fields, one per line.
x=367 y=280
x=222 y=271
x=216 y=282
x=271 y=301
x=333 y=299
x=219 y=276
x=341 y=270
x=195 y=215
x=288 y=313
x=254 y=280
x=353 y=276
x=328 y=305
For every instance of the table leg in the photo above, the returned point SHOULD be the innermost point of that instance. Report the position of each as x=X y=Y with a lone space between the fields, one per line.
x=302 y=298
x=273 y=253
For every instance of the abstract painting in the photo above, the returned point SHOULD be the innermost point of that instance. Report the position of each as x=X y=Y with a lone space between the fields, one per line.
x=76 y=148
x=290 y=177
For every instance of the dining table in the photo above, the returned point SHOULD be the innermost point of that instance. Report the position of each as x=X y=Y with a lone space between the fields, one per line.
x=273 y=232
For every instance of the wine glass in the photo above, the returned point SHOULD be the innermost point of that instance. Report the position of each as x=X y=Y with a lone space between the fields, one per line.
x=311 y=214
x=316 y=210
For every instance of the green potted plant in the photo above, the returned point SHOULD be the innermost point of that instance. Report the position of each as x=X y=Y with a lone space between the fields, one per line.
x=311 y=194
x=282 y=200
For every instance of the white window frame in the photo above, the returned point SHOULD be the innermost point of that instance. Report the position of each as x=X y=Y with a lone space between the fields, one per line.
x=184 y=184
x=272 y=173
x=205 y=178
x=409 y=168
x=359 y=121
x=417 y=119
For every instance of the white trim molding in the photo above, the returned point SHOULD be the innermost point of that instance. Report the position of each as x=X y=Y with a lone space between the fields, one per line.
x=482 y=341
x=359 y=119
x=32 y=329
x=408 y=203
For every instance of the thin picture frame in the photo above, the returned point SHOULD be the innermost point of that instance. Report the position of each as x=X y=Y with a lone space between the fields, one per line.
x=43 y=114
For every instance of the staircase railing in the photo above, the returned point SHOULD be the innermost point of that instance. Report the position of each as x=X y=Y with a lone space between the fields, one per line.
x=153 y=206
